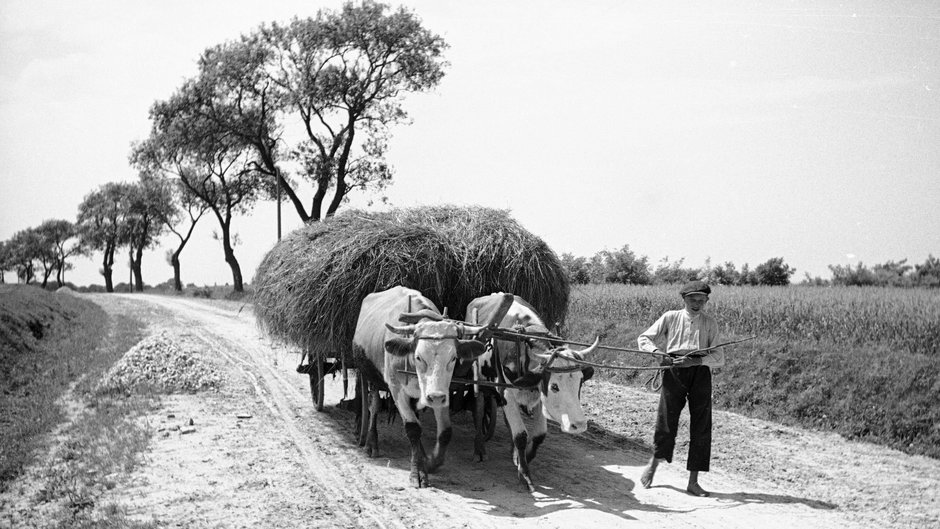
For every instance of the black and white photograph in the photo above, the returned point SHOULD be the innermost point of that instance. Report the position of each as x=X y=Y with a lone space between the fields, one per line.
x=469 y=264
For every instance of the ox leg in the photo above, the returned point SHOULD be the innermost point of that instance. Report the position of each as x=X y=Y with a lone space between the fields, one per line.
x=479 y=440
x=520 y=439
x=419 y=473
x=539 y=430
x=444 y=433
x=479 y=404
x=372 y=441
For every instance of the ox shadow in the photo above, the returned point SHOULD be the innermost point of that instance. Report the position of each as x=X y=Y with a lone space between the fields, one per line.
x=571 y=473
x=595 y=471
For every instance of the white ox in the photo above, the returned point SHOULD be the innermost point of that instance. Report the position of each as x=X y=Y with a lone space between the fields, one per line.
x=426 y=345
x=542 y=390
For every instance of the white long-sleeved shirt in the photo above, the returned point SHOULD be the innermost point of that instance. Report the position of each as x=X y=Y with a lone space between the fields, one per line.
x=679 y=333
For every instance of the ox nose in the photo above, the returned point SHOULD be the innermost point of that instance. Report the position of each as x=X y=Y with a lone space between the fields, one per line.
x=436 y=399
x=574 y=427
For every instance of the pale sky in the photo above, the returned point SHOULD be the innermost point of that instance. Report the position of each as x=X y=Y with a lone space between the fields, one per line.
x=699 y=130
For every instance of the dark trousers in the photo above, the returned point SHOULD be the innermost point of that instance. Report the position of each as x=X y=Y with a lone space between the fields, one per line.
x=695 y=385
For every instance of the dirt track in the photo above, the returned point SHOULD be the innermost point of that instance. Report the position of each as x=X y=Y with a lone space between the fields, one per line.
x=289 y=466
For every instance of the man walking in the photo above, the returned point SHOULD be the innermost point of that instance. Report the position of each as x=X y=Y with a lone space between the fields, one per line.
x=678 y=333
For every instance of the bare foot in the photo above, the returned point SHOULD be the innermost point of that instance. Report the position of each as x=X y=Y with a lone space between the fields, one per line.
x=696 y=490
x=646 y=479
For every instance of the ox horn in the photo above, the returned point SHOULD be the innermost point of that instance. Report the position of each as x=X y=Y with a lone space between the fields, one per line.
x=589 y=350
x=467 y=329
x=403 y=329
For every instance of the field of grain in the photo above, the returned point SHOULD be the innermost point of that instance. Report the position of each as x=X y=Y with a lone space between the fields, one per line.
x=859 y=361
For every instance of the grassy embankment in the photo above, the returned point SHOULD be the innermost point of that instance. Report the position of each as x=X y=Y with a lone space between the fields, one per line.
x=863 y=362
x=50 y=343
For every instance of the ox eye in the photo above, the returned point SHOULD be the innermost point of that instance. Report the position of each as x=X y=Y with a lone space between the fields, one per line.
x=555 y=387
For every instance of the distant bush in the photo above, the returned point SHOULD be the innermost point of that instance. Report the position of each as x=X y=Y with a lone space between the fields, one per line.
x=667 y=272
x=201 y=292
x=576 y=268
x=889 y=274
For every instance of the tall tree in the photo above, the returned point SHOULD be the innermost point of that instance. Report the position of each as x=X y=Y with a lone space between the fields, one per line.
x=212 y=164
x=183 y=212
x=147 y=203
x=342 y=77
x=25 y=249
x=62 y=239
x=100 y=223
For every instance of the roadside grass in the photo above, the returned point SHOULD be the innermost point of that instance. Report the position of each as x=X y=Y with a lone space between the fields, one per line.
x=52 y=344
x=44 y=340
x=859 y=361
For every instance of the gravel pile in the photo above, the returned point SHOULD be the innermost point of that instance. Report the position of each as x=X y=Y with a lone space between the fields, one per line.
x=159 y=363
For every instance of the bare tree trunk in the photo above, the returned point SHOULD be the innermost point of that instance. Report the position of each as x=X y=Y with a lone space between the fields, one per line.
x=136 y=266
x=106 y=272
x=231 y=260
x=175 y=261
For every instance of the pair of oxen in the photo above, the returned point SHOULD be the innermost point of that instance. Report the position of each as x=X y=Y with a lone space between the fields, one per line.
x=400 y=332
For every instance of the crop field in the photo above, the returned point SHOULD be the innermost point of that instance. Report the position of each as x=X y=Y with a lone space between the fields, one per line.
x=859 y=361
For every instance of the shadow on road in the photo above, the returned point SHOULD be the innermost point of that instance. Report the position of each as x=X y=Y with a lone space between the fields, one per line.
x=573 y=474
x=744 y=498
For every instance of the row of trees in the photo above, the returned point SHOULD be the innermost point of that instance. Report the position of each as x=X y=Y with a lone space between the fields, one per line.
x=39 y=252
x=624 y=266
x=117 y=215
x=894 y=274
x=221 y=142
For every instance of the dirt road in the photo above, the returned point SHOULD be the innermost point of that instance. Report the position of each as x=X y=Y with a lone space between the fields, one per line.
x=258 y=455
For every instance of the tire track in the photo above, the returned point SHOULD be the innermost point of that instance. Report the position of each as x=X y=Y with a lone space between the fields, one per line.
x=276 y=393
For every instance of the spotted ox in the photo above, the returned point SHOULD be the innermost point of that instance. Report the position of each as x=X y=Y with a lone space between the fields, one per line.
x=427 y=345
x=542 y=389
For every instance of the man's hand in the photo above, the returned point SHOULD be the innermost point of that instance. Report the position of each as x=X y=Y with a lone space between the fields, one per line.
x=687 y=361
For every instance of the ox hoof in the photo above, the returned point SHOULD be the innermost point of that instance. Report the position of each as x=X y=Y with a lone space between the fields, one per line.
x=419 y=481
x=526 y=484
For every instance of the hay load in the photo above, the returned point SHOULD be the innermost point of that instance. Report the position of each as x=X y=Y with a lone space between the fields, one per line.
x=310 y=285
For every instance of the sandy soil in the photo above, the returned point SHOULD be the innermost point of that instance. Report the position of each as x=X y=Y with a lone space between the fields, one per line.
x=257 y=454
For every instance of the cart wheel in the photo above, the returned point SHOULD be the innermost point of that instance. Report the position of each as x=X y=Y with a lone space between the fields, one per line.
x=489 y=417
x=316 y=380
x=362 y=392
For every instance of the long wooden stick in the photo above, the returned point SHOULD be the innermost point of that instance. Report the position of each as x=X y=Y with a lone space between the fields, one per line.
x=503 y=332
x=465 y=382
x=699 y=352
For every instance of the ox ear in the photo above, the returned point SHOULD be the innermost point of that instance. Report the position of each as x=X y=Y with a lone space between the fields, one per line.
x=415 y=317
x=536 y=329
x=586 y=374
x=398 y=346
x=469 y=349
